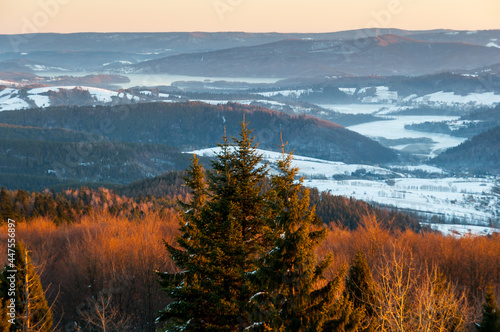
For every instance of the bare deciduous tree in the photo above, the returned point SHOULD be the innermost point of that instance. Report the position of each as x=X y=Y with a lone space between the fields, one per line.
x=101 y=314
x=413 y=298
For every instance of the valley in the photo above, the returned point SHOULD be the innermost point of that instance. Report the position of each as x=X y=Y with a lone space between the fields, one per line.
x=376 y=133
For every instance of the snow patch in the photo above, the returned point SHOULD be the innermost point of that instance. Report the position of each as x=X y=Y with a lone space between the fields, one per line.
x=449 y=98
x=123 y=62
x=40 y=101
x=349 y=91
x=467 y=200
x=10 y=104
x=394 y=128
x=463 y=230
x=285 y=93
x=309 y=167
x=492 y=44
x=8 y=83
x=382 y=95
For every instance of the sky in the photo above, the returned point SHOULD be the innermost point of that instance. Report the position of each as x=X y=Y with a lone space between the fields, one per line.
x=65 y=16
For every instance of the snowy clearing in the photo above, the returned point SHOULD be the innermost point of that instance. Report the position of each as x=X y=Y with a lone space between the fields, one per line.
x=382 y=95
x=355 y=108
x=285 y=93
x=40 y=101
x=450 y=200
x=449 y=98
x=309 y=167
x=14 y=103
x=349 y=91
x=10 y=99
x=394 y=128
x=463 y=230
x=101 y=95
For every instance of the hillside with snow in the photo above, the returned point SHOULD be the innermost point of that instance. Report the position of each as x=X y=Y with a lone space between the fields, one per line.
x=24 y=98
x=441 y=200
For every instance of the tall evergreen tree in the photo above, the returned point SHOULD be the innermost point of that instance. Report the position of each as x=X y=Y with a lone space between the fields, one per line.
x=6 y=206
x=290 y=299
x=225 y=239
x=45 y=206
x=22 y=204
x=361 y=292
x=187 y=311
x=32 y=310
x=491 y=313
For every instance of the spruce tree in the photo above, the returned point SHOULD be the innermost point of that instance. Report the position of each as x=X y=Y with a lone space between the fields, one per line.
x=187 y=309
x=236 y=213
x=32 y=310
x=290 y=299
x=491 y=313
x=22 y=203
x=6 y=206
x=221 y=238
x=361 y=292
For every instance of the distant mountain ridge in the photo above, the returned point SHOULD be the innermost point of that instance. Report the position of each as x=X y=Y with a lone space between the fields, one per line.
x=178 y=42
x=111 y=51
x=381 y=55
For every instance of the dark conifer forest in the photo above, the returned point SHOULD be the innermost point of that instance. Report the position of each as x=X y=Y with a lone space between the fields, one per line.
x=226 y=246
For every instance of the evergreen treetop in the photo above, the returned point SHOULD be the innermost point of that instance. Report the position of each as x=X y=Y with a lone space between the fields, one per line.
x=221 y=235
x=32 y=310
x=491 y=313
x=295 y=295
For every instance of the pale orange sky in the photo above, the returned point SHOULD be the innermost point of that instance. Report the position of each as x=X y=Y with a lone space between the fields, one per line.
x=26 y=16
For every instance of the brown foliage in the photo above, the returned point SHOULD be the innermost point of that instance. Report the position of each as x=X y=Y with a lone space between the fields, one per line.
x=112 y=258
x=103 y=256
x=468 y=263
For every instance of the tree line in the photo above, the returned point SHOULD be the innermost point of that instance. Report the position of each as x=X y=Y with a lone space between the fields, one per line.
x=177 y=125
x=247 y=260
x=257 y=249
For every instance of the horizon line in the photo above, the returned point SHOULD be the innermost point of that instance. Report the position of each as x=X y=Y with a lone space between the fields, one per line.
x=249 y=32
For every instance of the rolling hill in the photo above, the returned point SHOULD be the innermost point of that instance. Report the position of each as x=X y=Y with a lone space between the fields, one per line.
x=480 y=154
x=382 y=55
x=111 y=51
x=194 y=125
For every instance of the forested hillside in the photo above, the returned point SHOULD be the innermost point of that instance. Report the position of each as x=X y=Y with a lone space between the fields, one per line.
x=179 y=125
x=480 y=154
x=468 y=125
x=35 y=165
x=101 y=250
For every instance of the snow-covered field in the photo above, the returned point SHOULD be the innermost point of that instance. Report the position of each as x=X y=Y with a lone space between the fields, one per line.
x=101 y=95
x=310 y=167
x=393 y=128
x=11 y=100
x=167 y=79
x=454 y=200
x=382 y=95
x=40 y=101
x=355 y=108
x=463 y=230
x=449 y=98
x=285 y=93
x=9 y=83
